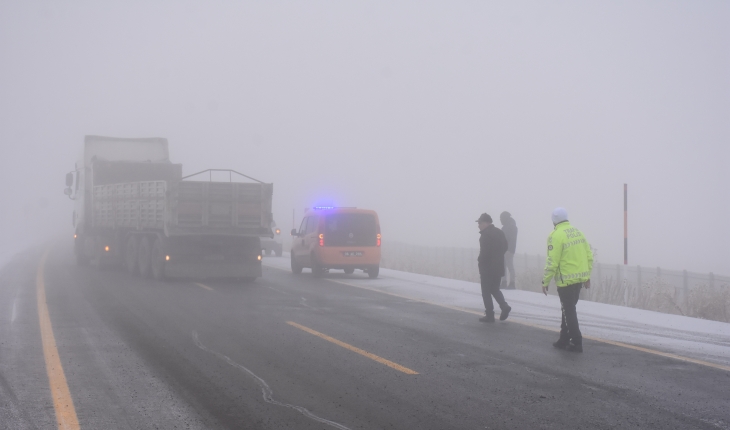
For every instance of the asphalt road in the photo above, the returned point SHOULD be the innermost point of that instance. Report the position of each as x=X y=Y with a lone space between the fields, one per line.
x=295 y=352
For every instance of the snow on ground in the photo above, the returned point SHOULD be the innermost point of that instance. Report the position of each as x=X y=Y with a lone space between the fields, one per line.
x=688 y=337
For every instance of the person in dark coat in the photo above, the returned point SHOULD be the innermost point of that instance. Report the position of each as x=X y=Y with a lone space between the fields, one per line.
x=492 y=246
x=509 y=228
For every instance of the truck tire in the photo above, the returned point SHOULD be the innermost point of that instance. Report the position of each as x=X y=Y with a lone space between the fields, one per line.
x=349 y=271
x=157 y=260
x=144 y=257
x=295 y=267
x=373 y=272
x=130 y=254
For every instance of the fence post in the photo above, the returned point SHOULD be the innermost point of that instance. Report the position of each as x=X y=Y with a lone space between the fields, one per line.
x=712 y=280
x=600 y=278
x=685 y=291
x=638 y=275
x=527 y=266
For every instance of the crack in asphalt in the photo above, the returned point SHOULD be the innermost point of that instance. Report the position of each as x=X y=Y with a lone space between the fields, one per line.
x=267 y=392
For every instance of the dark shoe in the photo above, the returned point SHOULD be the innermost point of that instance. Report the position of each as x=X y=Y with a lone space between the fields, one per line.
x=505 y=313
x=572 y=347
x=560 y=345
x=487 y=318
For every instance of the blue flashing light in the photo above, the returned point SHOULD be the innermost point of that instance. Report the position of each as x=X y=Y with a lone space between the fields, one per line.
x=320 y=208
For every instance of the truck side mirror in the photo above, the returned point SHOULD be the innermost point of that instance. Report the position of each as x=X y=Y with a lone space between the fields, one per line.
x=69 y=179
x=294 y=232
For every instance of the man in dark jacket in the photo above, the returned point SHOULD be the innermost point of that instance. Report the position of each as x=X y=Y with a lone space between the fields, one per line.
x=509 y=228
x=492 y=246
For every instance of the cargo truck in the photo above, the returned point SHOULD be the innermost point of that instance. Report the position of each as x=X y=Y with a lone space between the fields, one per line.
x=133 y=208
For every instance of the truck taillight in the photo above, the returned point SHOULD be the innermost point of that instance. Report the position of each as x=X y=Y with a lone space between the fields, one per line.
x=378 y=241
x=321 y=239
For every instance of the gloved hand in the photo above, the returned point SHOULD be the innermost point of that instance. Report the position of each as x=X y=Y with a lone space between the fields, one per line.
x=544 y=290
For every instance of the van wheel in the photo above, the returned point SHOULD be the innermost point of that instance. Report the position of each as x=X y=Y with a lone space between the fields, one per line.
x=295 y=268
x=144 y=257
x=349 y=271
x=373 y=272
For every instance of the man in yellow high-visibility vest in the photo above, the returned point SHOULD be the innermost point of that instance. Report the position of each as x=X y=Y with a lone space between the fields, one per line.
x=569 y=262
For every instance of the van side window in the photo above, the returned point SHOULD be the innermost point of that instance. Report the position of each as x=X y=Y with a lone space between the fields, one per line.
x=303 y=227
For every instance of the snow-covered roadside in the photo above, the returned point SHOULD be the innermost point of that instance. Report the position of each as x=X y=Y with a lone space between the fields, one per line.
x=689 y=337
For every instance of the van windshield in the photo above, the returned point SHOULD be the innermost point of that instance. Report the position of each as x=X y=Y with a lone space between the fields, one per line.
x=350 y=230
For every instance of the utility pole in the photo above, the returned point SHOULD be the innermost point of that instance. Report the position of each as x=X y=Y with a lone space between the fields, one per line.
x=626 y=230
x=626 y=246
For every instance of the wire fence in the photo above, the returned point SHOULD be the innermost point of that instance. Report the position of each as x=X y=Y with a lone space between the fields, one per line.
x=701 y=295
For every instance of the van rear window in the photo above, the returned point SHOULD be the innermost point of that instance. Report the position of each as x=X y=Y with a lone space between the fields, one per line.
x=350 y=230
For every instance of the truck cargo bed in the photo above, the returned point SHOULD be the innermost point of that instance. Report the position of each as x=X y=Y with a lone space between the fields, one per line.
x=185 y=207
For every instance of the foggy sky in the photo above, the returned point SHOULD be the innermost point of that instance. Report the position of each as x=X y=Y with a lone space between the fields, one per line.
x=428 y=112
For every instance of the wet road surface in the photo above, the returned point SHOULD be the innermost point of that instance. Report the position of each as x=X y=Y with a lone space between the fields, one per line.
x=295 y=352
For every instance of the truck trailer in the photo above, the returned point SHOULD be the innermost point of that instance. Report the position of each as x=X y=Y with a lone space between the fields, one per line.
x=133 y=208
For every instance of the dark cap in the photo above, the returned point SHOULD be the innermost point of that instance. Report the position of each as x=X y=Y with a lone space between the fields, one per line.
x=485 y=218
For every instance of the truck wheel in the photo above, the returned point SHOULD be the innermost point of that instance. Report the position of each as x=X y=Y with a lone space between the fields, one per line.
x=349 y=271
x=373 y=272
x=157 y=260
x=295 y=268
x=130 y=254
x=144 y=257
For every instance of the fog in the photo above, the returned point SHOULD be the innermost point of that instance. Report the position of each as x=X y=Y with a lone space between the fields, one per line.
x=428 y=112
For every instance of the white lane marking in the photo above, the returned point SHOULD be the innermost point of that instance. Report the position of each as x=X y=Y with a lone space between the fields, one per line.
x=267 y=392
x=276 y=289
x=204 y=286
x=14 y=312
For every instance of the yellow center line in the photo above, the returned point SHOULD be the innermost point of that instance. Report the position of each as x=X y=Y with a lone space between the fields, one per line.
x=597 y=339
x=62 y=401
x=364 y=353
x=204 y=286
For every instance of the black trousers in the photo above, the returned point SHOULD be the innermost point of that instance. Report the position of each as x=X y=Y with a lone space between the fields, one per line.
x=569 y=330
x=490 y=287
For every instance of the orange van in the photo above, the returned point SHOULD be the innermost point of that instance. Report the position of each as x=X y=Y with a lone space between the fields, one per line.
x=337 y=238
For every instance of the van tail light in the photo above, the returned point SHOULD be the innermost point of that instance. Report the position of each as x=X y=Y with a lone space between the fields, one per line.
x=321 y=239
x=378 y=241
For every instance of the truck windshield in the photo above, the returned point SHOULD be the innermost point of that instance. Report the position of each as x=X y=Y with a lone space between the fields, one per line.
x=350 y=230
